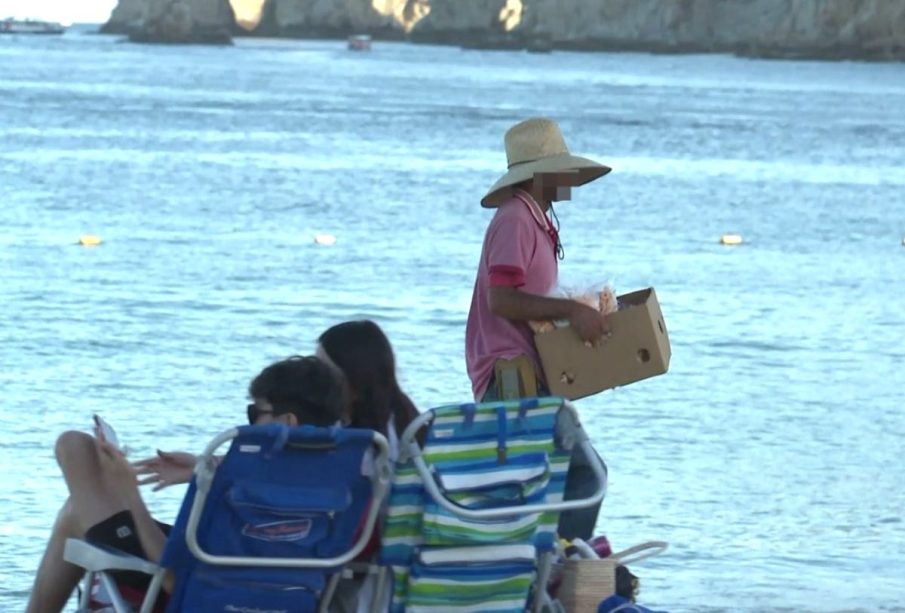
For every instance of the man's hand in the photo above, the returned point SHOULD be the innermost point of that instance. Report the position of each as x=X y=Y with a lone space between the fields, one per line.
x=589 y=323
x=514 y=304
x=165 y=469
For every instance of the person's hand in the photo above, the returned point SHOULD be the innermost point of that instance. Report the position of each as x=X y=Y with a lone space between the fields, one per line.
x=165 y=469
x=589 y=323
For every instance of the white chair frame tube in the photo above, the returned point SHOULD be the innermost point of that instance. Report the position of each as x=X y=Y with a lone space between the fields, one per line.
x=147 y=605
x=116 y=599
x=85 y=599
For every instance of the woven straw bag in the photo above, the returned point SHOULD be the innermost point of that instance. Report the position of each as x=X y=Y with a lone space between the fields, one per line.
x=586 y=582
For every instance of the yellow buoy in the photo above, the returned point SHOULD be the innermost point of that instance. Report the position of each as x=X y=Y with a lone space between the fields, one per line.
x=324 y=239
x=89 y=240
x=731 y=239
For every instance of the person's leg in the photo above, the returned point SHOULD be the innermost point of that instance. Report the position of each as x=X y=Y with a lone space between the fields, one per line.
x=92 y=498
x=55 y=578
x=580 y=483
x=120 y=532
x=90 y=502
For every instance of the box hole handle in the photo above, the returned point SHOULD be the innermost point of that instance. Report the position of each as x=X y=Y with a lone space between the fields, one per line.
x=643 y=356
x=660 y=325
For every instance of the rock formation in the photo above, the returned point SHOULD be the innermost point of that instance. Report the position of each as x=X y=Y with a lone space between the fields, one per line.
x=127 y=15
x=172 y=21
x=452 y=22
x=814 y=28
x=248 y=13
x=788 y=28
x=340 y=18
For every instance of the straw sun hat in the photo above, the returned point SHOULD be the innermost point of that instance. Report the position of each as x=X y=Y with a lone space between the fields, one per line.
x=536 y=146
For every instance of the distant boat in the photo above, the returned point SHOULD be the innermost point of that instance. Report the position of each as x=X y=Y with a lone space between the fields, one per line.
x=360 y=42
x=30 y=26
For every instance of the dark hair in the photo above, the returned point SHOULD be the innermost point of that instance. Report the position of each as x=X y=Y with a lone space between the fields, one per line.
x=363 y=353
x=304 y=386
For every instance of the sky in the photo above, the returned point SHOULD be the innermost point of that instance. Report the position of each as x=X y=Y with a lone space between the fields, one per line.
x=64 y=11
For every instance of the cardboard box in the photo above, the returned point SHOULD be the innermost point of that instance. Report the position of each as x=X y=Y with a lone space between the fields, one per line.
x=638 y=349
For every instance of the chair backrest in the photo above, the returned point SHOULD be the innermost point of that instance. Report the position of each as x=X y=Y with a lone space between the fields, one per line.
x=474 y=509
x=266 y=528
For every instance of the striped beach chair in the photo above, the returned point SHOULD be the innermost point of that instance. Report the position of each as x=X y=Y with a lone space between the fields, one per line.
x=471 y=521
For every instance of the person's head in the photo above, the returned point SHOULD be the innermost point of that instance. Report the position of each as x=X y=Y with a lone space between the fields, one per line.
x=536 y=153
x=550 y=187
x=296 y=391
x=362 y=356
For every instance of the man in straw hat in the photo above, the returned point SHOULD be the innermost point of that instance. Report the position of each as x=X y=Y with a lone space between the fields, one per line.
x=518 y=267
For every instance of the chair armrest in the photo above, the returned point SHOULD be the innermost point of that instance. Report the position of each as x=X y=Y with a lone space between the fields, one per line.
x=97 y=558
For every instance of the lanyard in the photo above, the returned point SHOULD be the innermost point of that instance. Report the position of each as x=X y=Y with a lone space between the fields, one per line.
x=542 y=220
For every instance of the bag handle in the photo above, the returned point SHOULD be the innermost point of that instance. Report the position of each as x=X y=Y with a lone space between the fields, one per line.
x=639 y=552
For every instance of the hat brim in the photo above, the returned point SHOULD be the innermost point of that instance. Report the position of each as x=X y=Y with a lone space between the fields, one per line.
x=585 y=171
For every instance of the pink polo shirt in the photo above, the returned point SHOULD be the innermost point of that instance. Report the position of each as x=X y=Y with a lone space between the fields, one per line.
x=518 y=252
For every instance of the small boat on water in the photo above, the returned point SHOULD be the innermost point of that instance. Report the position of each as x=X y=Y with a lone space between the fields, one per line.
x=30 y=26
x=360 y=42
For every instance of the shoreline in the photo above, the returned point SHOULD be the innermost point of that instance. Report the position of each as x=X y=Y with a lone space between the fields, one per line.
x=483 y=42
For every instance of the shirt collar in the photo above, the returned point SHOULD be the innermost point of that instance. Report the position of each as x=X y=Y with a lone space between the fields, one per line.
x=540 y=217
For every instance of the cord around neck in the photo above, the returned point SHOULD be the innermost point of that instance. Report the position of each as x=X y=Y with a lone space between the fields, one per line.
x=543 y=220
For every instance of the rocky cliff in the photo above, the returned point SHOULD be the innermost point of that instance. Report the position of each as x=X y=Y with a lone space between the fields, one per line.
x=789 y=28
x=168 y=20
x=812 y=28
x=172 y=21
x=327 y=18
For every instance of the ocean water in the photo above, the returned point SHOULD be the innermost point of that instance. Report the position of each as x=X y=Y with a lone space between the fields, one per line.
x=770 y=454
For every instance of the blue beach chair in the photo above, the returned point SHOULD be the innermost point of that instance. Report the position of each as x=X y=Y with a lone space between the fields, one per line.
x=270 y=528
x=472 y=515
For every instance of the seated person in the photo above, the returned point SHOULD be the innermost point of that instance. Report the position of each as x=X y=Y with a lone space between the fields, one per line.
x=105 y=506
x=362 y=357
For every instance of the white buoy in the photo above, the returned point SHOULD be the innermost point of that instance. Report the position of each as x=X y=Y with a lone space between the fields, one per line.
x=89 y=240
x=731 y=239
x=324 y=239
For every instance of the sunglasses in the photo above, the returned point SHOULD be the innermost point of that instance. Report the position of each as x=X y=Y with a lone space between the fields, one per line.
x=254 y=413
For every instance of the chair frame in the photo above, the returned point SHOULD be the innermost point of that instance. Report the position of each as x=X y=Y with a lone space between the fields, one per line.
x=410 y=444
x=98 y=560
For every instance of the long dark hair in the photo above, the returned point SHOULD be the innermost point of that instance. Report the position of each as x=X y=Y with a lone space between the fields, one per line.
x=363 y=353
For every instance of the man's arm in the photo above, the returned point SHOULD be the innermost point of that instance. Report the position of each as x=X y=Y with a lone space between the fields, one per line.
x=513 y=304
x=149 y=533
x=151 y=536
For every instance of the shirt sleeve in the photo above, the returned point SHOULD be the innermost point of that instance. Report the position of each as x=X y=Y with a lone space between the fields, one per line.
x=509 y=251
